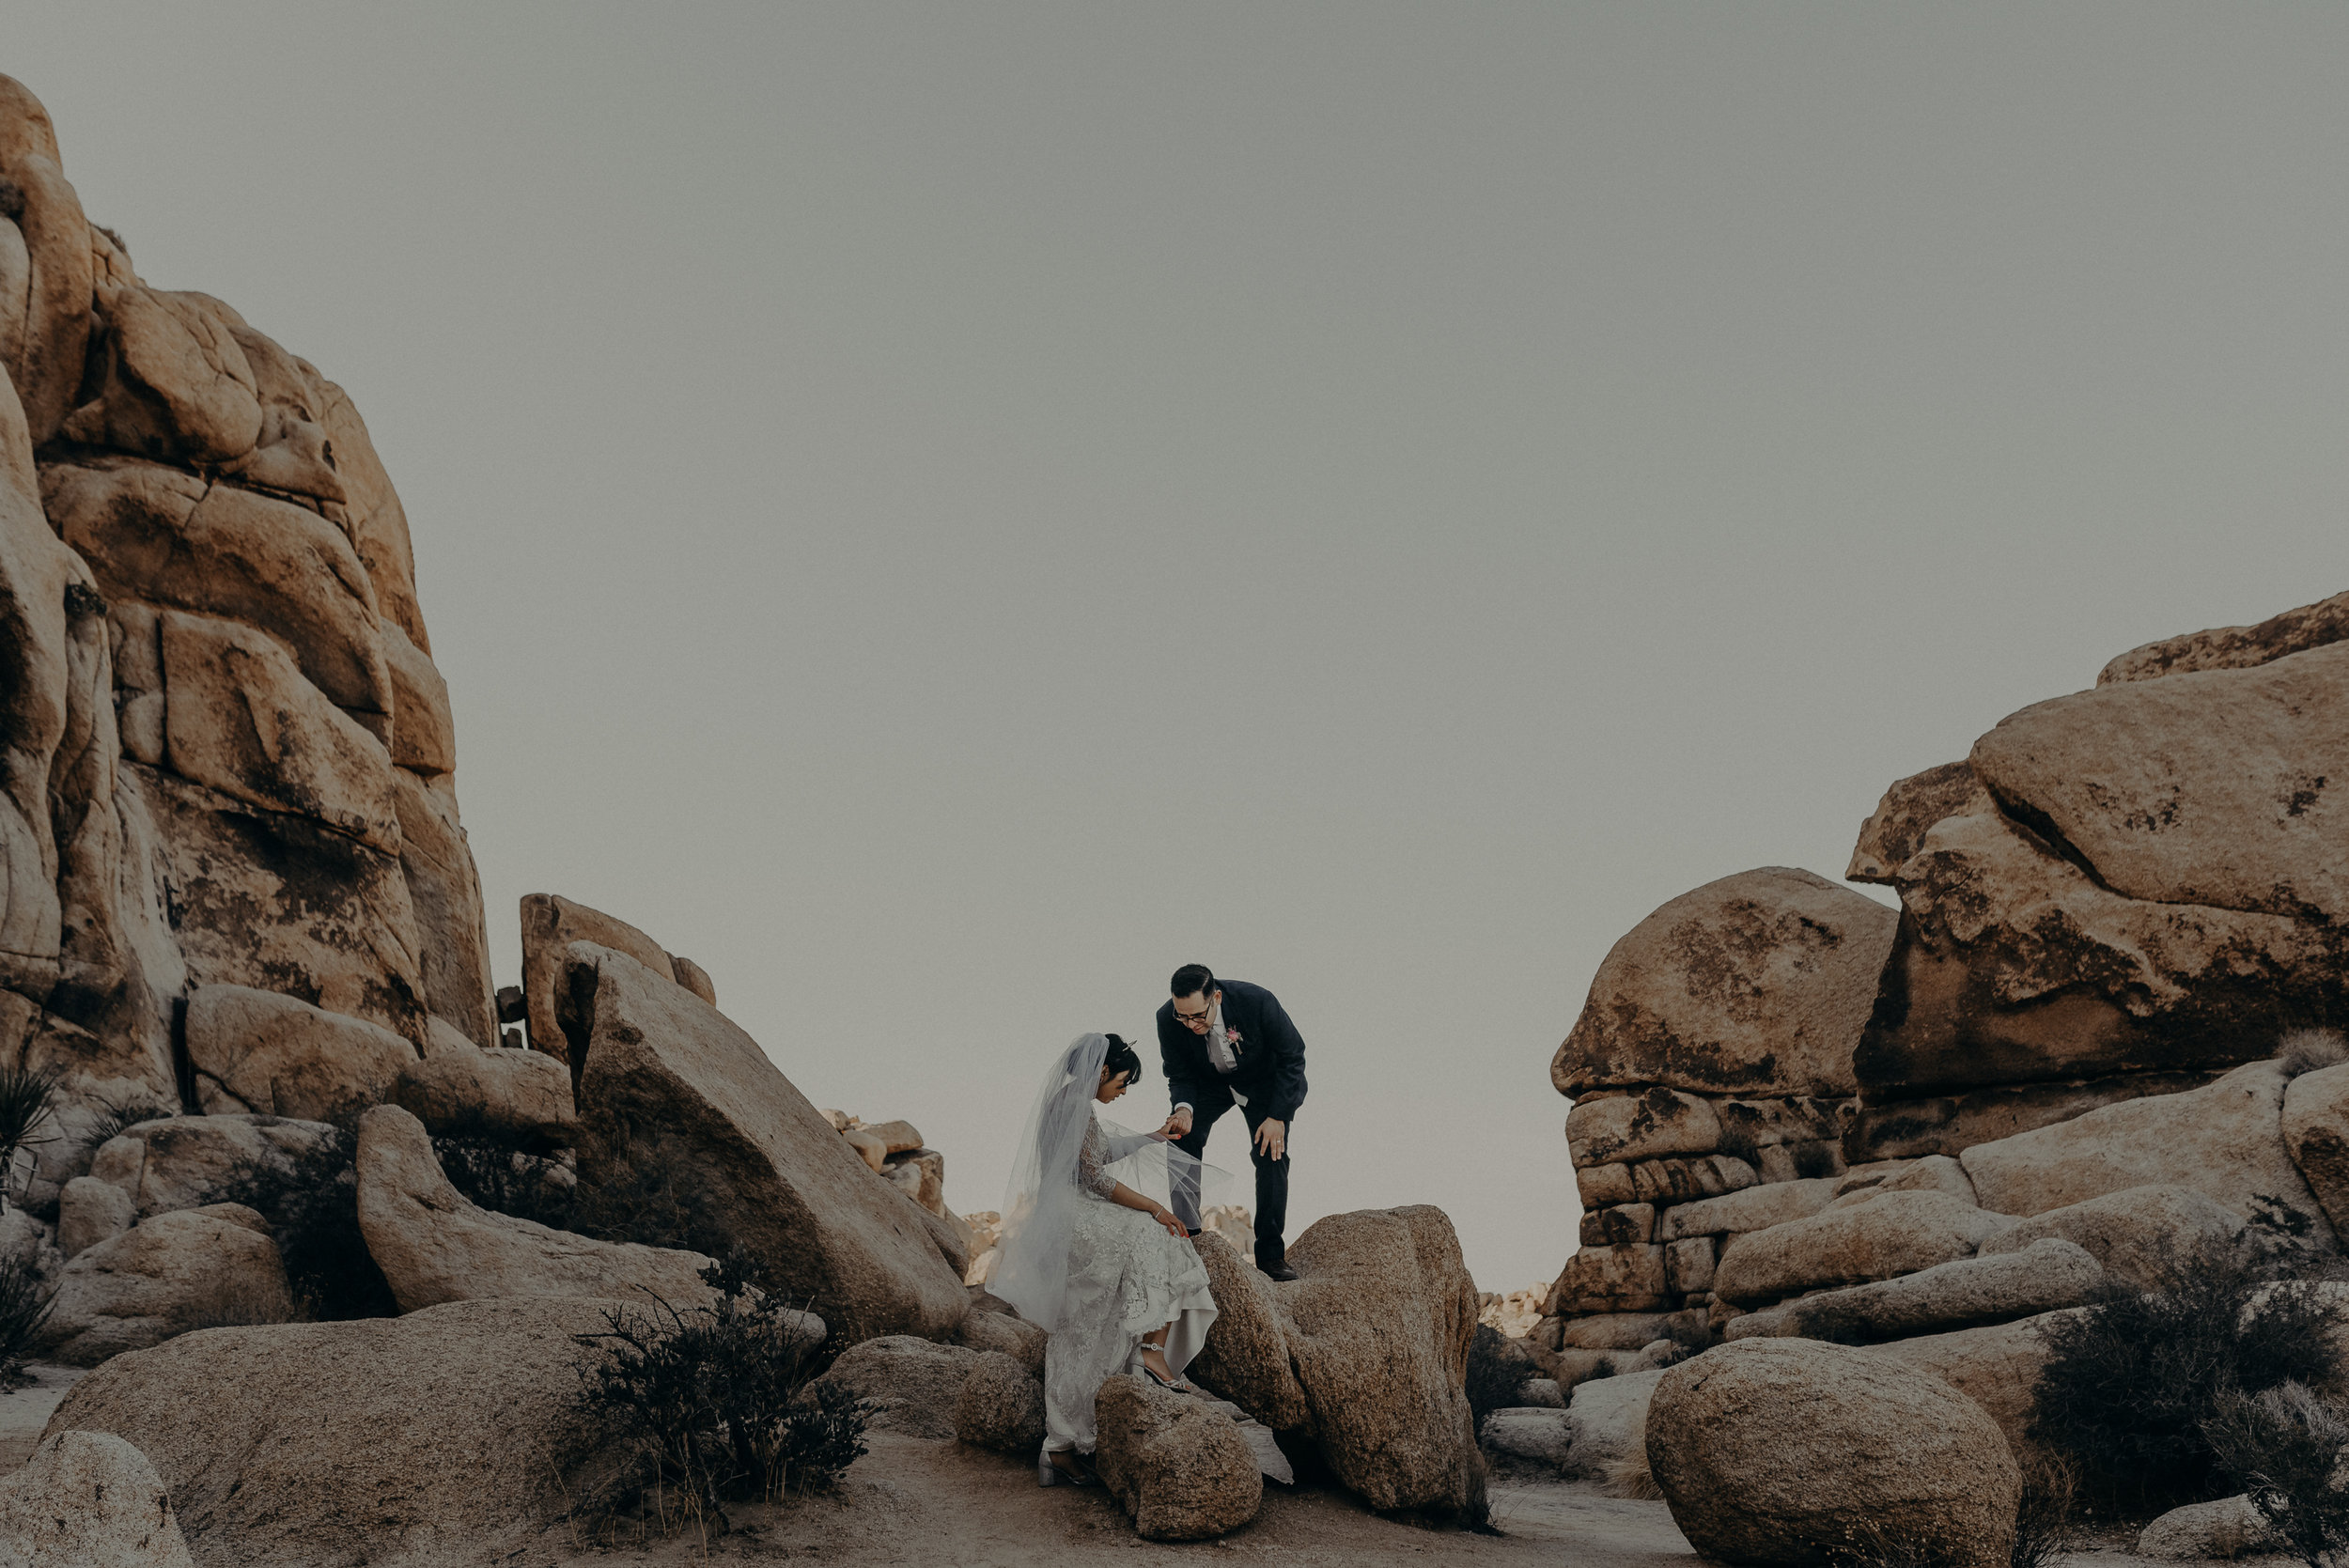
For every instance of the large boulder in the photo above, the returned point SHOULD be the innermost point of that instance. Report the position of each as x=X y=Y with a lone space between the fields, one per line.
x=262 y=1053
x=1898 y=824
x=2234 y=648
x=2316 y=1131
x=445 y=1435
x=2207 y=788
x=2217 y=1531
x=1540 y=1433
x=1620 y=1128
x=91 y=1499
x=1755 y=1209
x=910 y=1385
x=1795 y=1452
x=1246 y=1354
x=1000 y=1405
x=662 y=1076
x=1179 y=1466
x=1900 y=1124
x=550 y=925
x=1996 y=1367
x=461 y=1088
x=179 y=1162
x=1379 y=1320
x=2048 y=1275
x=1607 y=1421
x=434 y=1246
x=1006 y=1332
x=2138 y=1235
x=2150 y=879
x=192 y=1268
x=1757 y=983
x=2225 y=1142
x=1887 y=1234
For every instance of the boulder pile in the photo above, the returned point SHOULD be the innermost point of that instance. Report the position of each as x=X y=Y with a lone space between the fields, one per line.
x=2076 y=1051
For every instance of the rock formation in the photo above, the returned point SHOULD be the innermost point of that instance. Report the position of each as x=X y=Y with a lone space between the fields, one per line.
x=1179 y=1466
x=227 y=764
x=89 y=1497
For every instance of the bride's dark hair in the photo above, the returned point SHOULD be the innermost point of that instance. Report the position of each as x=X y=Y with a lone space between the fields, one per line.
x=1122 y=1058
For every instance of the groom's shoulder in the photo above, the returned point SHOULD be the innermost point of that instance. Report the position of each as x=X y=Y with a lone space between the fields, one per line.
x=1248 y=992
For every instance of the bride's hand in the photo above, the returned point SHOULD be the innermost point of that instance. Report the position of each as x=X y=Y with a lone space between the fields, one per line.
x=1175 y=1227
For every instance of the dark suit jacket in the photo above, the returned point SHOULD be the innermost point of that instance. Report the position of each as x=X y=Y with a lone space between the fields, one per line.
x=1271 y=1056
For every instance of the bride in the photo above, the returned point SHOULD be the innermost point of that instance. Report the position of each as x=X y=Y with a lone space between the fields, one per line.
x=1107 y=1270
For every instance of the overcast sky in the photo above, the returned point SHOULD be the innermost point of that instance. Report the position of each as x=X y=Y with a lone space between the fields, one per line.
x=944 y=513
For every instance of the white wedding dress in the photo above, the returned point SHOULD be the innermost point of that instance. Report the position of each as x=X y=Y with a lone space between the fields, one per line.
x=1127 y=1278
x=1095 y=1275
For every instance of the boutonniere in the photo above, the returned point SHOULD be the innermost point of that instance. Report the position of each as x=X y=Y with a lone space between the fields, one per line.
x=1232 y=1035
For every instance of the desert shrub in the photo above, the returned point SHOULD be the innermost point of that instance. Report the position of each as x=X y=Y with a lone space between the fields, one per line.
x=2304 y=1051
x=2283 y=1445
x=1496 y=1370
x=2042 y=1516
x=1630 y=1477
x=311 y=1201
x=715 y=1402
x=24 y=1302
x=496 y=1169
x=2132 y=1381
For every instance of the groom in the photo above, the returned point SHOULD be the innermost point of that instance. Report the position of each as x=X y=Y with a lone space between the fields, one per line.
x=1224 y=1043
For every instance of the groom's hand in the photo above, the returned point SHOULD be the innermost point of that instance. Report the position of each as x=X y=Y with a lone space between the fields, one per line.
x=1271 y=1137
x=1178 y=1126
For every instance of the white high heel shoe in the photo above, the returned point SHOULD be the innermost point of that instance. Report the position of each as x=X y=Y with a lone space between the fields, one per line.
x=1050 y=1474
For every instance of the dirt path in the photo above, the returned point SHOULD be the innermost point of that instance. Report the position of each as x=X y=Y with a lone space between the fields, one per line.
x=934 y=1504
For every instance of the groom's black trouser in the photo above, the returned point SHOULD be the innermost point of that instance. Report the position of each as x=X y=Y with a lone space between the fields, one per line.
x=1272 y=1181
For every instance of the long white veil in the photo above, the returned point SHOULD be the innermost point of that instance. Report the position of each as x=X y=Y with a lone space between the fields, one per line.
x=1040 y=1206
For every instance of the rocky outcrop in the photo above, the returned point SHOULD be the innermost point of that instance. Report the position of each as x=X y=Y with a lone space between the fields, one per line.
x=448 y=1435
x=2225 y=1142
x=2140 y=1235
x=434 y=1246
x=227 y=757
x=909 y=1384
x=664 y=1076
x=2235 y=648
x=1996 y=1367
x=1607 y=1421
x=1005 y=1331
x=89 y=1497
x=550 y=925
x=1897 y=828
x=1887 y=1235
x=192 y=1269
x=1794 y=1452
x=2045 y=1277
x=1179 y=1466
x=2148 y=883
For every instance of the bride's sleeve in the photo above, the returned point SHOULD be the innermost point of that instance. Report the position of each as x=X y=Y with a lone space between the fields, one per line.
x=1091 y=1164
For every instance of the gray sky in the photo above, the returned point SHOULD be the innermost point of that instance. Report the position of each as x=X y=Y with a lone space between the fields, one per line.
x=943 y=512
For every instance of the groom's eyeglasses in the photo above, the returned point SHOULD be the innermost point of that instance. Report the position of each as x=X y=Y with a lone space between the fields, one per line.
x=1198 y=1020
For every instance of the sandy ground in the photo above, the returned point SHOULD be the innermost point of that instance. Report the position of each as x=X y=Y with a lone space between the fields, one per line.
x=913 y=1502
x=25 y=1411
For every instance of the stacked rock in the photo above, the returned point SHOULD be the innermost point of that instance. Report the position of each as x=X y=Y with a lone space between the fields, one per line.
x=1712 y=1057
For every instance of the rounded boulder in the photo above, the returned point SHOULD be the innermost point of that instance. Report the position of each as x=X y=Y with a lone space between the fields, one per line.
x=1794 y=1452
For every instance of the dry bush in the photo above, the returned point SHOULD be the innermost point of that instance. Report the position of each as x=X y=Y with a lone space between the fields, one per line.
x=2131 y=1383
x=2305 y=1050
x=2284 y=1446
x=312 y=1205
x=1496 y=1369
x=2042 y=1516
x=1630 y=1476
x=25 y=1298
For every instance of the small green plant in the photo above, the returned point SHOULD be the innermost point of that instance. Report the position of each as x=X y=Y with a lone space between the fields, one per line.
x=2284 y=1446
x=116 y=1117
x=28 y=1097
x=24 y=1302
x=715 y=1402
x=2130 y=1383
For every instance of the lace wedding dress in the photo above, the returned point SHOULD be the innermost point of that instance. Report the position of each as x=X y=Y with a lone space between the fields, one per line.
x=1127 y=1278
x=1095 y=1275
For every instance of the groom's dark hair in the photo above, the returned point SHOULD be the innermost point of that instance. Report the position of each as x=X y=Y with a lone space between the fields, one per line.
x=1193 y=977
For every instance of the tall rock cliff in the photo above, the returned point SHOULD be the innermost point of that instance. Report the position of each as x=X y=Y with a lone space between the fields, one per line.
x=226 y=755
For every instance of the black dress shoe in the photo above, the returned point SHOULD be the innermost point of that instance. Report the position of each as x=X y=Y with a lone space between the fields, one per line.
x=1277 y=1271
